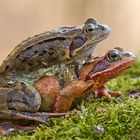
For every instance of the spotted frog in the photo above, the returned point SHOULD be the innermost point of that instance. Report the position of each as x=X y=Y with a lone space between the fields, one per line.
x=57 y=53
x=72 y=44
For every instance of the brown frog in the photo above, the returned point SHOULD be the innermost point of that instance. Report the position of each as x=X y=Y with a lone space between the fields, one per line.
x=60 y=52
x=23 y=101
x=92 y=77
x=62 y=45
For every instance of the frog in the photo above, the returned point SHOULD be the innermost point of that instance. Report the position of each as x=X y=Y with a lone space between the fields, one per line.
x=71 y=44
x=57 y=52
x=61 y=52
x=49 y=99
x=92 y=77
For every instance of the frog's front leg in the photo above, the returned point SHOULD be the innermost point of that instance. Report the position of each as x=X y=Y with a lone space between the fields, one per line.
x=103 y=91
x=67 y=95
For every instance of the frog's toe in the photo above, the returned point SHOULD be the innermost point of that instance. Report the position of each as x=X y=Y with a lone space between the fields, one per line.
x=103 y=91
x=115 y=94
x=16 y=115
x=7 y=128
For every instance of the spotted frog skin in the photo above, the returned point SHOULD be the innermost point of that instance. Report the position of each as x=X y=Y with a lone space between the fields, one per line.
x=23 y=101
x=73 y=44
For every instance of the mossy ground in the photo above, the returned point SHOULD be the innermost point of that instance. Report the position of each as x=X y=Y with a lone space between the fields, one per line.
x=120 y=117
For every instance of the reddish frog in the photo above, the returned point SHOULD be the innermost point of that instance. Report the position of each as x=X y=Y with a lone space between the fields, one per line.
x=48 y=95
x=92 y=77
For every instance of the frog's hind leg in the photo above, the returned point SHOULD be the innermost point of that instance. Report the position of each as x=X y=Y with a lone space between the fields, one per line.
x=38 y=116
x=20 y=97
x=12 y=116
x=22 y=102
x=16 y=115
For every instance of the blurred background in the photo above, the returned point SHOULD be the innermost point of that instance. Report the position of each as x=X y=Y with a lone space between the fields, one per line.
x=20 y=19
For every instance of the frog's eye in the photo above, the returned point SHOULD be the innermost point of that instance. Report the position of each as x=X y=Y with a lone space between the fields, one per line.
x=114 y=55
x=89 y=29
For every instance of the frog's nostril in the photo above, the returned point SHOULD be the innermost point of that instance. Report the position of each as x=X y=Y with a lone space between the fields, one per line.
x=130 y=54
x=103 y=28
x=106 y=31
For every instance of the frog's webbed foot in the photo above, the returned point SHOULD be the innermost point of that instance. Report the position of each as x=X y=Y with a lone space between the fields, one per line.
x=103 y=91
x=16 y=115
x=38 y=117
x=7 y=128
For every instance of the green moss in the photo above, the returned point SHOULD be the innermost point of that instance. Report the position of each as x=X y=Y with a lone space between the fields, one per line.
x=119 y=117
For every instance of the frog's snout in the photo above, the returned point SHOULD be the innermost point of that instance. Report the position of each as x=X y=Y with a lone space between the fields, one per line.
x=105 y=29
x=130 y=54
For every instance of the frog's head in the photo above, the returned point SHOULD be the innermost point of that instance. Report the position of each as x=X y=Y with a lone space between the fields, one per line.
x=107 y=67
x=85 y=37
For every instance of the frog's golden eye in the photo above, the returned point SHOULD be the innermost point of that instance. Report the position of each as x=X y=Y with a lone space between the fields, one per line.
x=114 y=55
x=89 y=29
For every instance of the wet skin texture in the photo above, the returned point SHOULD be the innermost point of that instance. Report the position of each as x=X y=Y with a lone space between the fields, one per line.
x=23 y=101
x=49 y=96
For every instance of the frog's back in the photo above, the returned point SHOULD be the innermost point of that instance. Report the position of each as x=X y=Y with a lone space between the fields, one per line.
x=38 y=51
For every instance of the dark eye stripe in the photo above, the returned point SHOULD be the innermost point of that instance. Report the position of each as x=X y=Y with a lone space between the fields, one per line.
x=100 y=66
